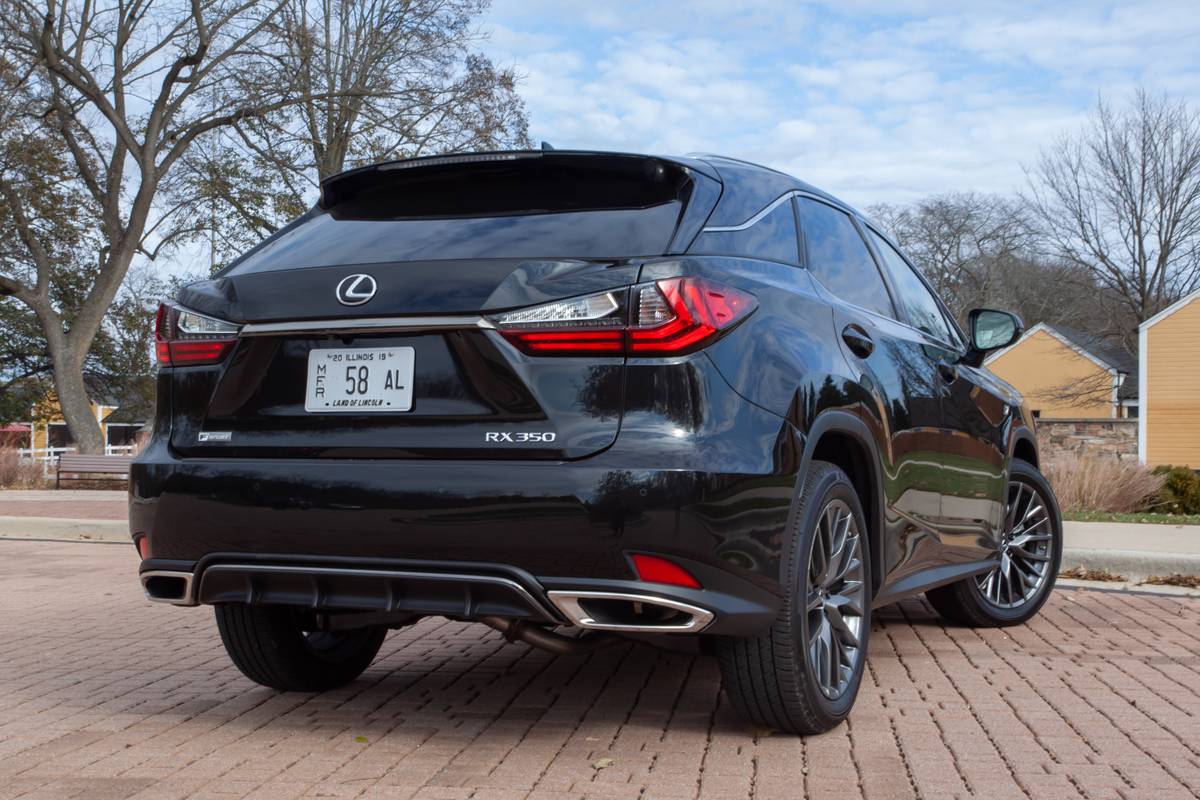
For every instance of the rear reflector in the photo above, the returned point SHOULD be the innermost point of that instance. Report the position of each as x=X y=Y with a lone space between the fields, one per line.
x=143 y=547
x=654 y=569
x=668 y=318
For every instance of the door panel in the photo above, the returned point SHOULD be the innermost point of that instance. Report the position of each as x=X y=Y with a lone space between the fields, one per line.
x=906 y=418
x=976 y=419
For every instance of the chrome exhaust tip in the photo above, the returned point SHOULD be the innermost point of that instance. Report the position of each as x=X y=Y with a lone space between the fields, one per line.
x=166 y=586
x=629 y=613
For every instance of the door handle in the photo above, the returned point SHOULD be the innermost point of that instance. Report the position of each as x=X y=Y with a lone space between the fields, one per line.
x=859 y=342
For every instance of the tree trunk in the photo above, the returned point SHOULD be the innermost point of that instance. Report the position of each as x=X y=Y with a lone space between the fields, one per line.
x=74 y=401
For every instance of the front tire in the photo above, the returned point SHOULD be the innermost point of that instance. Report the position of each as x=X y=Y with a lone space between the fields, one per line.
x=803 y=675
x=1030 y=556
x=273 y=646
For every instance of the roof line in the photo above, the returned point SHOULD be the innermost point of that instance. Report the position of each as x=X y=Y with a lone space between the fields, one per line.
x=1171 y=309
x=1050 y=331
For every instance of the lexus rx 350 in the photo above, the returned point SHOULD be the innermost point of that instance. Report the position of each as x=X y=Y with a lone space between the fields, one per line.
x=578 y=396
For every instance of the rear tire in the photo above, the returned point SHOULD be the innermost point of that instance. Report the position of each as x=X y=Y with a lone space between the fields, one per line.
x=1032 y=553
x=803 y=675
x=272 y=647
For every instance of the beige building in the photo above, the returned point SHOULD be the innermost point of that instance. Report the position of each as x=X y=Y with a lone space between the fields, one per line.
x=1066 y=374
x=1169 y=372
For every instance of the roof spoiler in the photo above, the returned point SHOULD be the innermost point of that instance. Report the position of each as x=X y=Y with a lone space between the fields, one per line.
x=343 y=186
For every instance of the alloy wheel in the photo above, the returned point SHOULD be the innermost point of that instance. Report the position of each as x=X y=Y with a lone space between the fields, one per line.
x=1025 y=550
x=836 y=598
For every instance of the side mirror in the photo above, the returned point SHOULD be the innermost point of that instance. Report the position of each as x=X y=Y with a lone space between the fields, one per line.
x=991 y=330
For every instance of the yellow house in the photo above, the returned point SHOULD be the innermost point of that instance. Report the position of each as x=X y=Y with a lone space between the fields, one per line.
x=48 y=430
x=1168 y=352
x=1066 y=374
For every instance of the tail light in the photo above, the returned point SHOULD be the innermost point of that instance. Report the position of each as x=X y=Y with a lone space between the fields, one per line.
x=184 y=338
x=666 y=318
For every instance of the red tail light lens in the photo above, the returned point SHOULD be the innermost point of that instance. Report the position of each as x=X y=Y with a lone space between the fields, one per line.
x=654 y=569
x=184 y=338
x=699 y=310
x=667 y=318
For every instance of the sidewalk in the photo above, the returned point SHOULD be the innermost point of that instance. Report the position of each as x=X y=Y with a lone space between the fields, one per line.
x=1132 y=549
x=65 y=514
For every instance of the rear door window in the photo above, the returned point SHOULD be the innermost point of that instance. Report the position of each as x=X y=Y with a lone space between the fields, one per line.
x=921 y=308
x=839 y=259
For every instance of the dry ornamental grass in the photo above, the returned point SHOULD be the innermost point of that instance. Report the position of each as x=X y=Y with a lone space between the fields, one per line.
x=1102 y=483
x=18 y=474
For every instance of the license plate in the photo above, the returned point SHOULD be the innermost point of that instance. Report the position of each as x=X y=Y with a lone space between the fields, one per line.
x=359 y=380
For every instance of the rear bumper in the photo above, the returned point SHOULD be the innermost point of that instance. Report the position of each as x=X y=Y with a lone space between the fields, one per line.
x=462 y=591
x=460 y=539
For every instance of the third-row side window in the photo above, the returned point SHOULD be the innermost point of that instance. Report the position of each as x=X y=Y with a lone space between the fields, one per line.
x=773 y=237
x=839 y=259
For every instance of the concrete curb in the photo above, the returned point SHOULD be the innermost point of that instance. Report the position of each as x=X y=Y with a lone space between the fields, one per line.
x=68 y=530
x=1135 y=565
x=1125 y=587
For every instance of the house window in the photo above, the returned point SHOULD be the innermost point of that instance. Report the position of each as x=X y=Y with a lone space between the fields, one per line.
x=120 y=435
x=59 y=435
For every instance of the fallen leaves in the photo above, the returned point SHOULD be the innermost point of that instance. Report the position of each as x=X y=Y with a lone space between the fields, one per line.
x=1175 y=579
x=1082 y=573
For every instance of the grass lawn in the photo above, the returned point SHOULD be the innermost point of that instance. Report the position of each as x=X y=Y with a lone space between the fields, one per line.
x=1147 y=516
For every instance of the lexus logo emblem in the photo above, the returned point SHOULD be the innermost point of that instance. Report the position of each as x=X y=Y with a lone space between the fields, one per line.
x=354 y=290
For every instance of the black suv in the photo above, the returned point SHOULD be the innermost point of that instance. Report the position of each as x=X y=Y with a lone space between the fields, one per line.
x=579 y=396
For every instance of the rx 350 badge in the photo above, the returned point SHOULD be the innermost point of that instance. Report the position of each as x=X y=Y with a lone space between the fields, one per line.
x=519 y=437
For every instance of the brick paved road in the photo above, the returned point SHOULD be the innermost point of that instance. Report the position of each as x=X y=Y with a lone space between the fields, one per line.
x=104 y=695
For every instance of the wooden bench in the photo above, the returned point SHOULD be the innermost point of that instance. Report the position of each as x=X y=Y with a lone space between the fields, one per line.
x=83 y=468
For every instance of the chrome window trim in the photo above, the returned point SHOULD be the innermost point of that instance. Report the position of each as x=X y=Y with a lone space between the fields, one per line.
x=774 y=204
x=367 y=324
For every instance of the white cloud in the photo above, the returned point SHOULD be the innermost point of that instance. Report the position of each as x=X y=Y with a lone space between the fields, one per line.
x=871 y=100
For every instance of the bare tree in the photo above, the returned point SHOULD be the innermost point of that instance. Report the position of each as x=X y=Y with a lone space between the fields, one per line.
x=1088 y=392
x=1121 y=199
x=123 y=89
x=383 y=79
x=984 y=251
x=961 y=241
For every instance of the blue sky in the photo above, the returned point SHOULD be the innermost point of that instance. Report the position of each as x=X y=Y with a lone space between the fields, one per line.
x=872 y=101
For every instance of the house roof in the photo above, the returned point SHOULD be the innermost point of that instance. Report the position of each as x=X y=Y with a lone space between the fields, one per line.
x=101 y=390
x=1095 y=348
x=1171 y=309
x=1116 y=356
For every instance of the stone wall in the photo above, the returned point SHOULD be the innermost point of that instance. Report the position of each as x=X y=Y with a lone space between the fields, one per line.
x=1115 y=437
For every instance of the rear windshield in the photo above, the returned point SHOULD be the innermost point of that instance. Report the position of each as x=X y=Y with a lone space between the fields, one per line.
x=574 y=207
